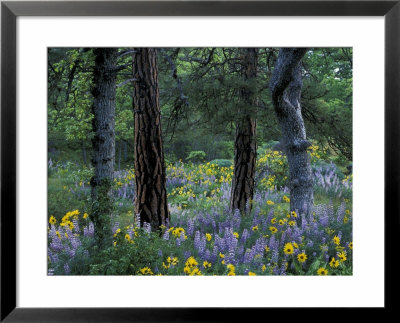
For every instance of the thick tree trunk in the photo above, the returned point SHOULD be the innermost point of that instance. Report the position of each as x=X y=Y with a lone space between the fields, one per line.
x=151 y=194
x=286 y=83
x=245 y=139
x=103 y=143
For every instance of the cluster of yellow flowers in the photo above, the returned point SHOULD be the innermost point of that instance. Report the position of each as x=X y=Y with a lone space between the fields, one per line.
x=314 y=151
x=66 y=219
x=184 y=191
x=268 y=182
x=231 y=269
x=176 y=232
x=126 y=178
x=191 y=267
x=202 y=173
x=170 y=262
x=146 y=271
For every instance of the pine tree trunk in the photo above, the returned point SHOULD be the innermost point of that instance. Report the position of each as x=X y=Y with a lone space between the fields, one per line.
x=286 y=83
x=103 y=143
x=150 y=178
x=245 y=139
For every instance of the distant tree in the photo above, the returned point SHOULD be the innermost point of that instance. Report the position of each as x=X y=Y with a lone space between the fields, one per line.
x=103 y=142
x=286 y=84
x=150 y=174
x=245 y=138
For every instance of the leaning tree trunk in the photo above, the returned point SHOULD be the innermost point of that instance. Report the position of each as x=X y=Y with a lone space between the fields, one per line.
x=245 y=139
x=150 y=178
x=103 y=142
x=286 y=83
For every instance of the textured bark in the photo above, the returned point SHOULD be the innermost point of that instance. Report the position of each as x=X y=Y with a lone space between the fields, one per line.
x=103 y=142
x=151 y=194
x=286 y=83
x=245 y=139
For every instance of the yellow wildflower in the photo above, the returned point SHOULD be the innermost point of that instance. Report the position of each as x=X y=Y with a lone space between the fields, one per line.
x=288 y=249
x=322 y=271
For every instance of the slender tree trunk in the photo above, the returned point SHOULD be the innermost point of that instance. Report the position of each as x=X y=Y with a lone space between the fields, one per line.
x=245 y=139
x=119 y=154
x=151 y=194
x=103 y=143
x=286 y=83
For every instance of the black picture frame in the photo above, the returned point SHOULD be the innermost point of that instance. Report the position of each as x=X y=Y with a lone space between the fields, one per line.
x=10 y=10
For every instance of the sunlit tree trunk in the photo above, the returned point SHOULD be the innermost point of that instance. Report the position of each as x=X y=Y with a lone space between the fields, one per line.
x=245 y=139
x=103 y=142
x=150 y=178
x=286 y=83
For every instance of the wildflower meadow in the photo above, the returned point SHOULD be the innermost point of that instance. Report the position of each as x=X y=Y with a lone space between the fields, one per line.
x=204 y=237
x=200 y=161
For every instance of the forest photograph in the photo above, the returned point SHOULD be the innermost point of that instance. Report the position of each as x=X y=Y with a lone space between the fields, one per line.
x=200 y=161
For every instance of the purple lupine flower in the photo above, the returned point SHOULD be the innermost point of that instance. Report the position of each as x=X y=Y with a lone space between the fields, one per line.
x=115 y=227
x=248 y=256
x=75 y=242
x=203 y=243
x=207 y=255
x=341 y=211
x=240 y=251
x=270 y=216
x=53 y=257
x=91 y=229
x=324 y=220
x=197 y=240
x=245 y=236
x=147 y=227
x=236 y=219
x=56 y=244
x=215 y=250
x=186 y=254
x=283 y=269
x=137 y=220
x=70 y=251
x=67 y=270
x=160 y=253
x=275 y=256
x=166 y=235
x=178 y=242
x=214 y=225
x=190 y=227
x=273 y=244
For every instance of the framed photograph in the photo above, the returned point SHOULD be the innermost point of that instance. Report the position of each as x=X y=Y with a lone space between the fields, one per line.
x=145 y=142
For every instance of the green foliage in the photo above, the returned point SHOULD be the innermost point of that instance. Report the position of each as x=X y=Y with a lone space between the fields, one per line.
x=127 y=257
x=196 y=156
x=222 y=162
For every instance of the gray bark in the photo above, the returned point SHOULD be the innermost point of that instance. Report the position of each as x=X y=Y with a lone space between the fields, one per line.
x=103 y=142
x=286 y=83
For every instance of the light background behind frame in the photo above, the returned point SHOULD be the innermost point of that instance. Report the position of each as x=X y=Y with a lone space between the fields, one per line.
x=364 y=288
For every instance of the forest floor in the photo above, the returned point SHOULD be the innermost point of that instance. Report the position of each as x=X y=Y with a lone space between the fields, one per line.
x=204 y=237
